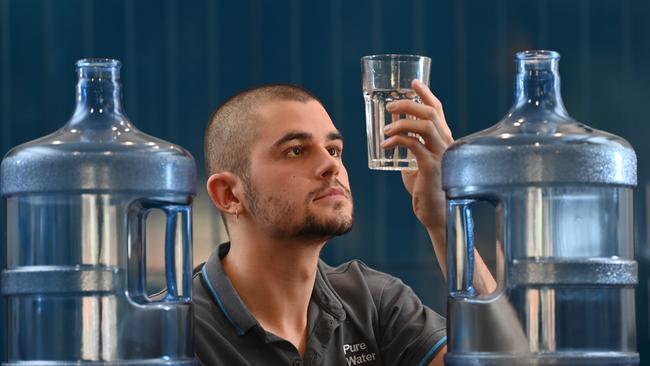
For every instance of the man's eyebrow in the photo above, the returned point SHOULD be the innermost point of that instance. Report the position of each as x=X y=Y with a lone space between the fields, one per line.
x=293 y=136
x=335 y=136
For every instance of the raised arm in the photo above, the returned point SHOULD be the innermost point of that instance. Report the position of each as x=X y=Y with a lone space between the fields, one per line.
x=427 y=137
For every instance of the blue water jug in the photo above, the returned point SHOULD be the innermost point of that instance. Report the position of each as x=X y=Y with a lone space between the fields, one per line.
x=562 y=194
x=77 y=206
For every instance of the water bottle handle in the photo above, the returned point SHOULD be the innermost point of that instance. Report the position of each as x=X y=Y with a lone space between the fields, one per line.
x=138 y=212
x=460 y=248
x=173 y=212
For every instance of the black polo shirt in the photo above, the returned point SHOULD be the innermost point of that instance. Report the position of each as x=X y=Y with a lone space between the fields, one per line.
x=356 y=316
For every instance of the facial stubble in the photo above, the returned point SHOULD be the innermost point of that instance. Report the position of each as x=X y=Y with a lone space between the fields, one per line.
x=273 y=213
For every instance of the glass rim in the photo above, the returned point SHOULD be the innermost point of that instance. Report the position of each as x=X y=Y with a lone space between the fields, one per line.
x=395 y=57
x=98 y=62
x=537 y=55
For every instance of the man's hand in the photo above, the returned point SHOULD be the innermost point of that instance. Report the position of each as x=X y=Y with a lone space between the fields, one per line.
x=424 y=184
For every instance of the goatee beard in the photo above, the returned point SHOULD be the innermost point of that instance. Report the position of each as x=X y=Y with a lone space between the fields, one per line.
x=312 y=228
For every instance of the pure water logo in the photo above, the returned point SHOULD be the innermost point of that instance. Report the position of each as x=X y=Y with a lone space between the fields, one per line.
x=358 y=354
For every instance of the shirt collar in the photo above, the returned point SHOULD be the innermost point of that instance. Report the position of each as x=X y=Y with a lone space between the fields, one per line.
x=224 y=293
x=325 y=295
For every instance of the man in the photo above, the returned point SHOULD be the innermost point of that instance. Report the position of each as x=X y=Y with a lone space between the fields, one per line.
x=273 y=158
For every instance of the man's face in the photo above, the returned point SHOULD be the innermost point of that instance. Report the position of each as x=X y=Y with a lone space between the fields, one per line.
x=297 y=185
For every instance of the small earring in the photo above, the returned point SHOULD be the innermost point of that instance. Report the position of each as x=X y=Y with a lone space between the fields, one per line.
x=237 y=214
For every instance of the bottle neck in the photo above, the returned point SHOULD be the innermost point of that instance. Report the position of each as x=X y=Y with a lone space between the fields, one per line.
x=537 y=87
x=99 y=92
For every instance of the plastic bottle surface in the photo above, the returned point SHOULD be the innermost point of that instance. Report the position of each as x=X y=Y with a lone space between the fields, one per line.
x=562 y=195
x=77 y=205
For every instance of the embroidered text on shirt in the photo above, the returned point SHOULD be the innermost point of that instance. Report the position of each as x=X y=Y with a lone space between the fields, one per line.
x=353 y=358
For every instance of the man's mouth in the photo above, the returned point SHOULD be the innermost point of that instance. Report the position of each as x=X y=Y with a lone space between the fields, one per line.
x=332 y=192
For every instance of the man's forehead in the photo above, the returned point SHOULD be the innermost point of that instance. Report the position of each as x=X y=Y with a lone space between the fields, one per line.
x=278 y=118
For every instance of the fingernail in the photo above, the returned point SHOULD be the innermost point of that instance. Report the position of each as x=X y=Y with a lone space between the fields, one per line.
x=390 y=106
x=417 y=82
x=387 y=128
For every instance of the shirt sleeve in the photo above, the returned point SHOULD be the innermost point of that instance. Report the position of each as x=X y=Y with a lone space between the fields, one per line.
x=410 y=332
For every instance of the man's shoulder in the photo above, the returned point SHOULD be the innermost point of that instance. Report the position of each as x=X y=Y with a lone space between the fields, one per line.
x=355 y=278
x=355 y=267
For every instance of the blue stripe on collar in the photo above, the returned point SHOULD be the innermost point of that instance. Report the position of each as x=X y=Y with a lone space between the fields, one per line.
x=436 y=347
x=204 y=273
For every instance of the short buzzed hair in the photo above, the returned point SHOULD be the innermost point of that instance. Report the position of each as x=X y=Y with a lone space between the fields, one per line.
x=232 y=128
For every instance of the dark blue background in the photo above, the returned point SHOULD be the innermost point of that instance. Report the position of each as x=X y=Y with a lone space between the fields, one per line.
x=183 y=58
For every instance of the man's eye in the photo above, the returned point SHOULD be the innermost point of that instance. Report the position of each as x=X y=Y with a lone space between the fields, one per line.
x=295 y=151
x=335 y=151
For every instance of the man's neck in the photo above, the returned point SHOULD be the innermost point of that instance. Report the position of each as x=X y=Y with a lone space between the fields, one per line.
x=275 y=279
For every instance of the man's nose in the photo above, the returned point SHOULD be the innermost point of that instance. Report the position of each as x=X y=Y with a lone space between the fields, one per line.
x=329 y=166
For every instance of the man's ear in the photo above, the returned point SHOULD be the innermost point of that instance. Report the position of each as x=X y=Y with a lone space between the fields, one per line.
x=223 y=188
